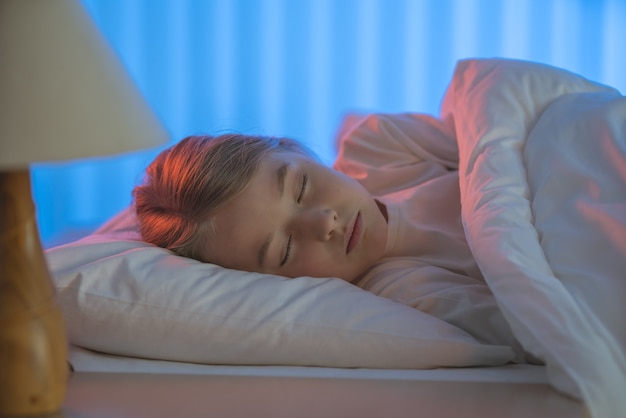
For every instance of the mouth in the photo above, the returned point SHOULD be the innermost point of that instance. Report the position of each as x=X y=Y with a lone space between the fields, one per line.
x=355 y=233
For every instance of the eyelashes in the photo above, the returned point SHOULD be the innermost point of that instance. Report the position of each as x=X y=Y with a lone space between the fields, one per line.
x=287 y=252
x=305 y=181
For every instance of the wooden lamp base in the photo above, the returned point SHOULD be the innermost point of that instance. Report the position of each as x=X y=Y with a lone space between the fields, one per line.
x=33 y=347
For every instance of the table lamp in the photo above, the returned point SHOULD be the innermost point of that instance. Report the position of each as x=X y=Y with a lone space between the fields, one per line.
x=63 y=95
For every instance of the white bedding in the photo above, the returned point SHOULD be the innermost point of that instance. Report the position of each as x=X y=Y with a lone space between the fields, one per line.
x=84 y=360
x=543 y=186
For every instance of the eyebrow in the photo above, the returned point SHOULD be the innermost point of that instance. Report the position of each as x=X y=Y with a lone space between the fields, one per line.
x=281 y=174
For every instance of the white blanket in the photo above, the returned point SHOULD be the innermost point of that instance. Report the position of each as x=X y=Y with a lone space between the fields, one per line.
x=543 y=188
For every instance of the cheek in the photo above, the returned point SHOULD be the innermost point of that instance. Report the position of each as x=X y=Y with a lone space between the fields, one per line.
x=310 y=263
x=313 y=261
x=323 y=264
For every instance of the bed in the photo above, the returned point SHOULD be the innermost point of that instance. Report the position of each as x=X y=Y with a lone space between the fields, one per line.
x=542 y=169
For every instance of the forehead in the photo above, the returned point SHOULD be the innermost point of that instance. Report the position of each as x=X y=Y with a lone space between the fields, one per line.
x=242 y=224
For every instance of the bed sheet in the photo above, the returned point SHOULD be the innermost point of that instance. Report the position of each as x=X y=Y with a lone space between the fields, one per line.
x=84 y=360
x=147 y=388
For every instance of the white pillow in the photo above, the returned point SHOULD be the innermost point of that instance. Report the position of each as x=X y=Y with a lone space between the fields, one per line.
x=123 y=296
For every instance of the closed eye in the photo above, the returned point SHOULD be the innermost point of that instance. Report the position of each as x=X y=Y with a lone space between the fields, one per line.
x=305 y=180
x=287 y=252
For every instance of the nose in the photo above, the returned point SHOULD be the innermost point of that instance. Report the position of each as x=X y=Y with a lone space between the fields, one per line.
x=316 y=223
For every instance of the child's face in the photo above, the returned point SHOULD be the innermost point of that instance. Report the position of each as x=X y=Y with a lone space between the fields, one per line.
x=298 y=217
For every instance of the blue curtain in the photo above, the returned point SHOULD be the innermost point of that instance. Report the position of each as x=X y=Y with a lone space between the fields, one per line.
x=296 y=67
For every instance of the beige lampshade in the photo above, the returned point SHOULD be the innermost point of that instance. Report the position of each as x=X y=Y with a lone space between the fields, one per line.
x=63 y=92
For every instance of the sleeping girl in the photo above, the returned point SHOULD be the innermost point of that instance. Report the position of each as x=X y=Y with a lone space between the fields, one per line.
x=267 y=205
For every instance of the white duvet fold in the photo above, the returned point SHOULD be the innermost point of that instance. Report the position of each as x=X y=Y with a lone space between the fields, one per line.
x=543 y=191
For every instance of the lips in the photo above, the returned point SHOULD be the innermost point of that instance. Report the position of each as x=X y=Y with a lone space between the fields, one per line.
x=355 y=233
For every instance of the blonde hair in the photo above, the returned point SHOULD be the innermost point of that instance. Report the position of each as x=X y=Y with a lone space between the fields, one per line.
x=187 y=181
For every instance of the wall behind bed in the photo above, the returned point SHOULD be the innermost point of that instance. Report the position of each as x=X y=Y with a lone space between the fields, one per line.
x=295 y=67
